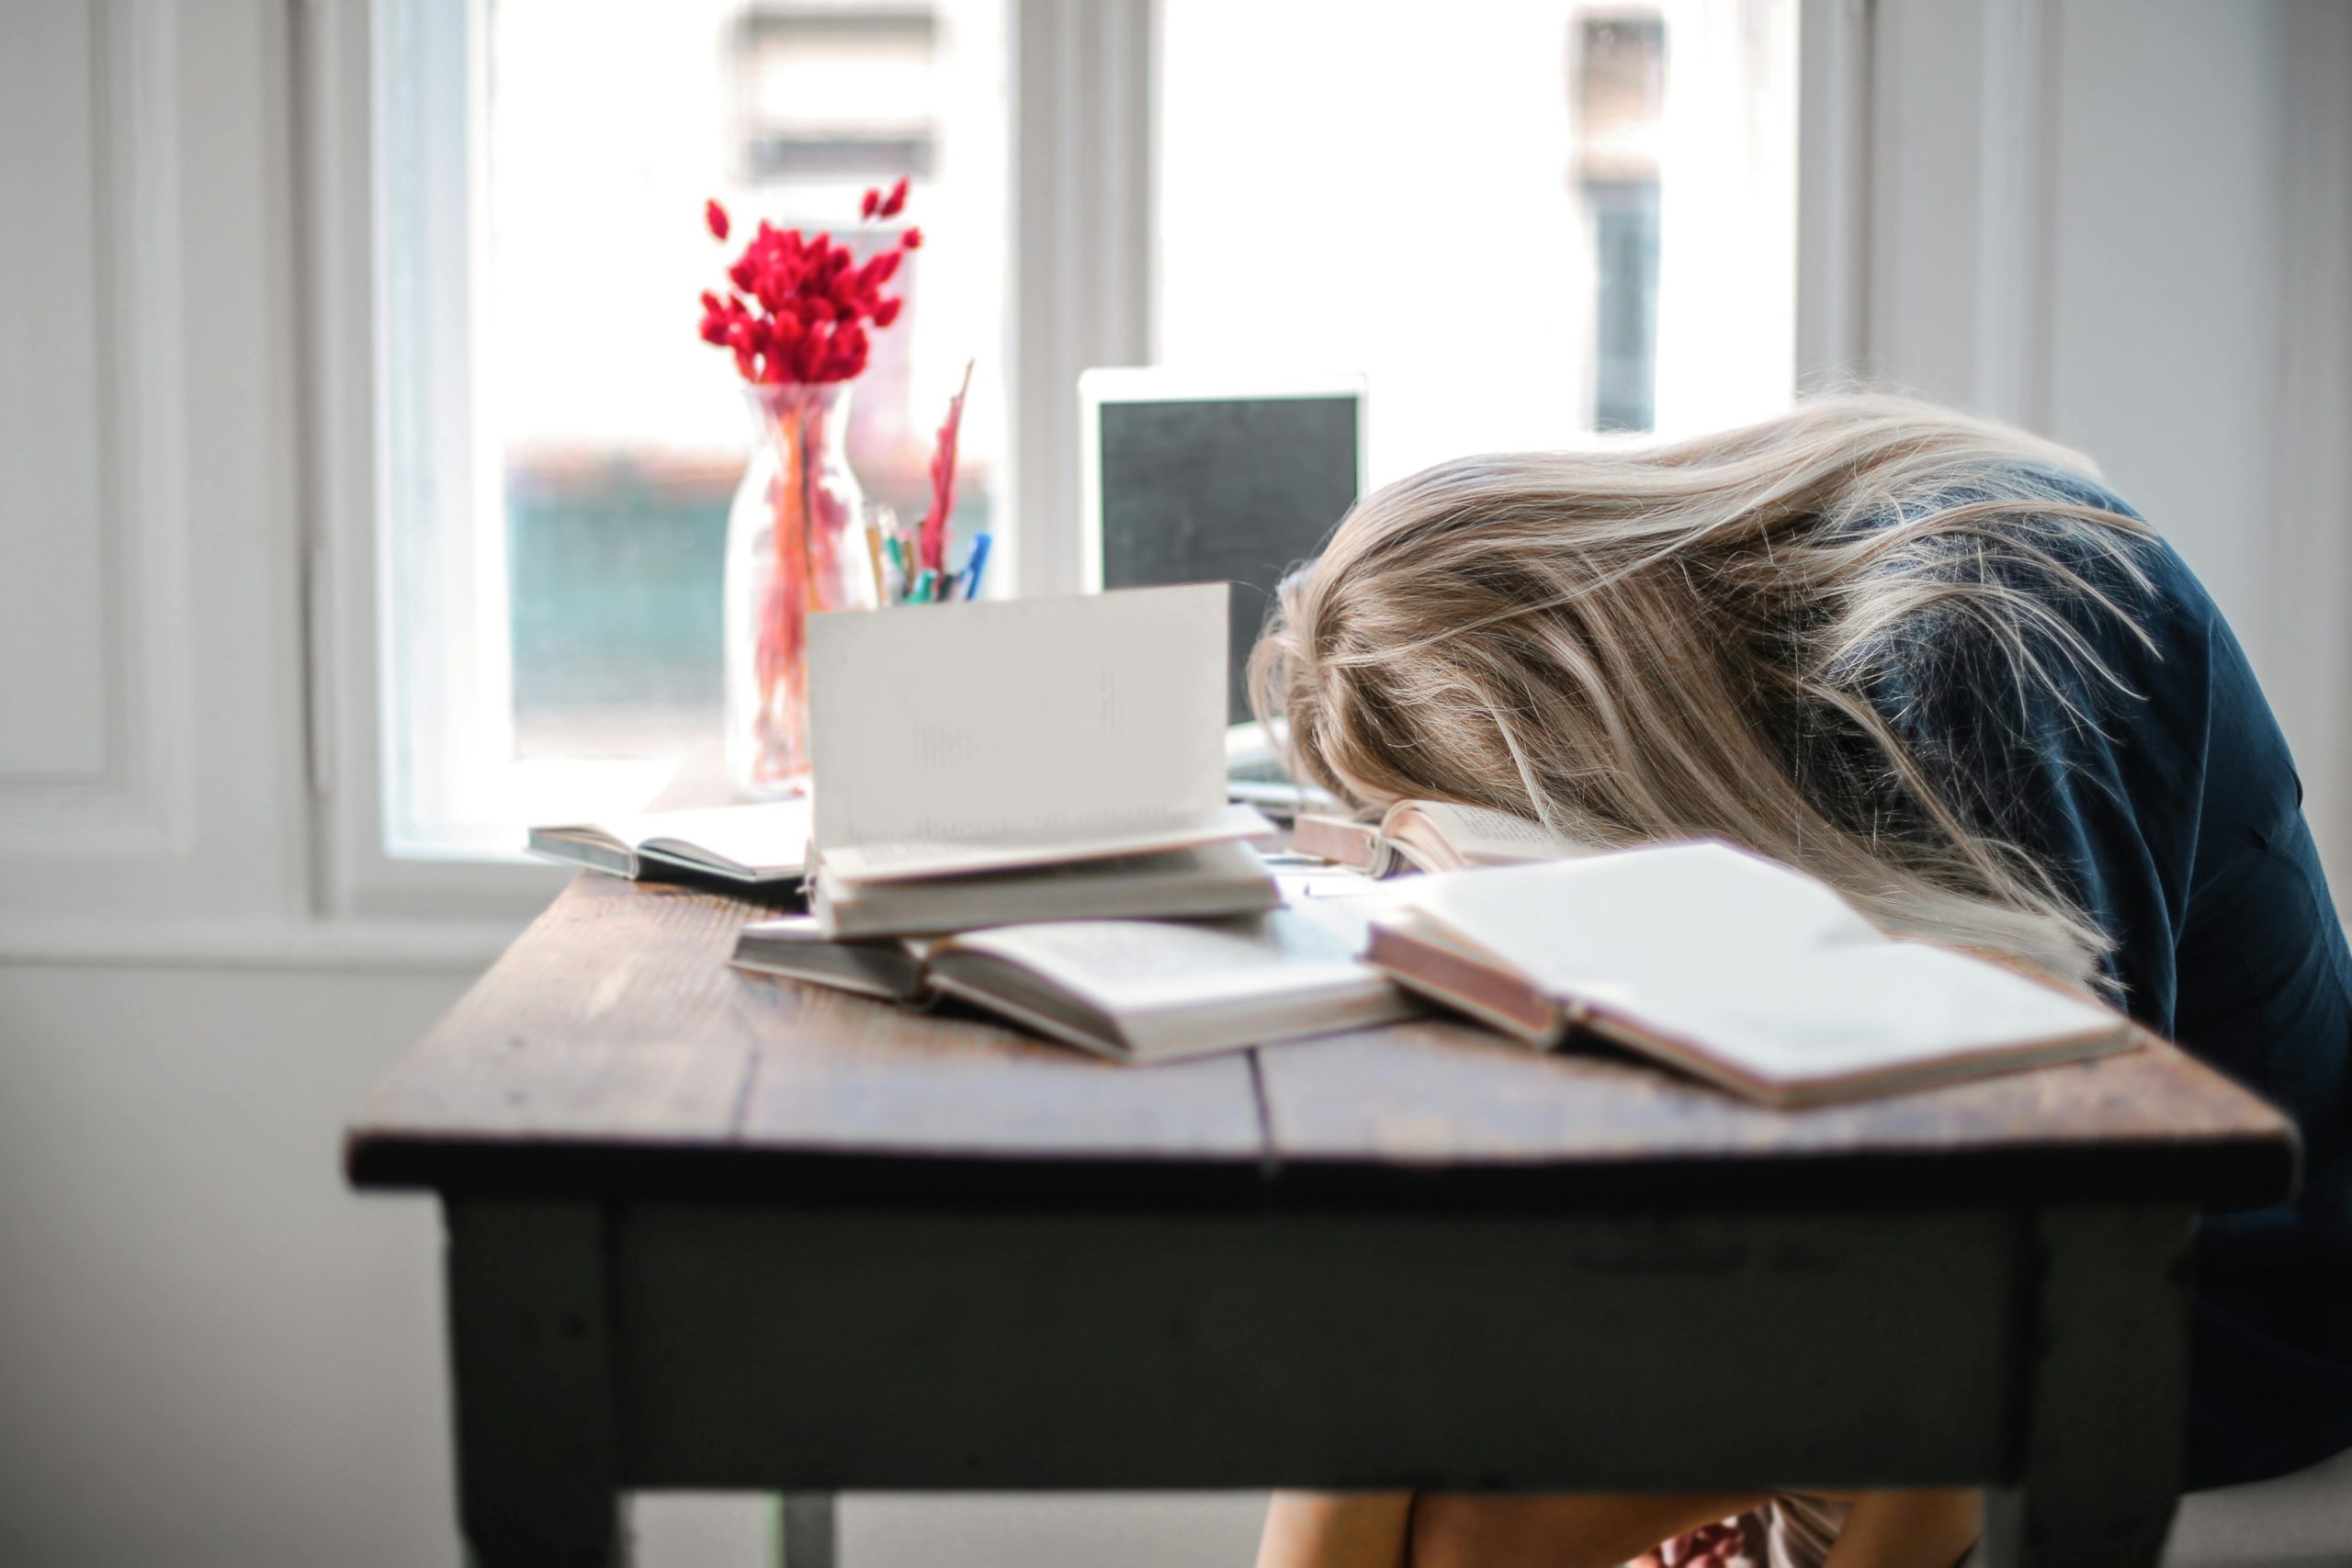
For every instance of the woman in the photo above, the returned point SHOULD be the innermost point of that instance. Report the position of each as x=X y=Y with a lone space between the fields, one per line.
x=1934 y=664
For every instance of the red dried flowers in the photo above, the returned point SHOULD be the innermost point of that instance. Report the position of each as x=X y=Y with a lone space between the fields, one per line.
x=800 y=309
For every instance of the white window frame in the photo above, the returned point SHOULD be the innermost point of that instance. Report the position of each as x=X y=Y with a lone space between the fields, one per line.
x=1081 y=293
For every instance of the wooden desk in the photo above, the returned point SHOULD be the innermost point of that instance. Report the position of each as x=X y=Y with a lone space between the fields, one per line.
x=712 y=1230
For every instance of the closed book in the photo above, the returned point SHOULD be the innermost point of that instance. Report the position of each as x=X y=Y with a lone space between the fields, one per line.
x=1211 y=879
x=1743 y=972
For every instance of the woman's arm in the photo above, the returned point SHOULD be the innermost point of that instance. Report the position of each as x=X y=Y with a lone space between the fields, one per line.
x=1336 y=1529
x=1909 y=1529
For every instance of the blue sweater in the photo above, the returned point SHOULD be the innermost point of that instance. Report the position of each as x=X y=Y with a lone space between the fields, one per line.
x=2171 y=809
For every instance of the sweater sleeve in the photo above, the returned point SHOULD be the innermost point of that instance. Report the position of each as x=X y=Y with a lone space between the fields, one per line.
x=2088 y=755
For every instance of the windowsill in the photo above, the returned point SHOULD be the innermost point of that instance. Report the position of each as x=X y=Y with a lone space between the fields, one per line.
x=415 y=946
x=499 y=804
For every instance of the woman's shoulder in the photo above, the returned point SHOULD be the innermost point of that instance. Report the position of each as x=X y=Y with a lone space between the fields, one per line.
x=2056 y=636
x=2053 y=574
x=2118 y=553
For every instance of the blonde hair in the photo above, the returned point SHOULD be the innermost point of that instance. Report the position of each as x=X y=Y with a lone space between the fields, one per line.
x=1630 y=645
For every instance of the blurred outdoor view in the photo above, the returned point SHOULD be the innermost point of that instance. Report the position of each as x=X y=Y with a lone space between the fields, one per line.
x=1528 y=224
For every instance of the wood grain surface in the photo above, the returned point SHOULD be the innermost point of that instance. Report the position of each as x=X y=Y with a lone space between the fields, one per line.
x=613 y=1050
x=615 y=1030
x=1440 y=1095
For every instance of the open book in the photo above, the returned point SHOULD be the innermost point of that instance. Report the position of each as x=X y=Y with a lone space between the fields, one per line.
x=990 y=739
x=1429 y=835
x=1140 y=990
x=756 y=845
x=1742 y=971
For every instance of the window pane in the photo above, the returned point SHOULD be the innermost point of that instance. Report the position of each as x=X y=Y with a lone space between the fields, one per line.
x=1526 y=222
x=616 y=433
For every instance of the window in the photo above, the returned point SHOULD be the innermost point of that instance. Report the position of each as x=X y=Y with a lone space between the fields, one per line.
x=1530 y=222
x=564 y=445
x=1619 y=72
x=1527 y=224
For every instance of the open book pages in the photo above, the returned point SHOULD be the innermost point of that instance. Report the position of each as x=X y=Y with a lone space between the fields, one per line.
x=1141 y=990
x=1221 y=878
x=762 y=844
x=1429 y=835
x=988 y=736
x=1735 y=968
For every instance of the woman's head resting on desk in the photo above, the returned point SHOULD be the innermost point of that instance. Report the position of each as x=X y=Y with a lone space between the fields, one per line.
x=1705 y=637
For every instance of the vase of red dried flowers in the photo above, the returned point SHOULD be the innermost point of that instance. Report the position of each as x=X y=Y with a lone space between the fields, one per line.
x=795 y=545
x=797 y=318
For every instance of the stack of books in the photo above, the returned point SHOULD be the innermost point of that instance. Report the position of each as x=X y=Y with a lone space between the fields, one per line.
x=1044 y=833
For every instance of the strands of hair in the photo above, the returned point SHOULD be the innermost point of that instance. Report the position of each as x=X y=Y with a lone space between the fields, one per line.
x=1707 y=636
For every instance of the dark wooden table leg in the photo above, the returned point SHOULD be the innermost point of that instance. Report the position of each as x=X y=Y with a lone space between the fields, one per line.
x=808 y=1538
x=2106 y=1392
x=531 y=1353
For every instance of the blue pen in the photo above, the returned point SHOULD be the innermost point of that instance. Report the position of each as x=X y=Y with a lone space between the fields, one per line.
x=970 y=579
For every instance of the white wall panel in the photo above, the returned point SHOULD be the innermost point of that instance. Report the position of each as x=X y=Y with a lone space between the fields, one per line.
x=211 y=1351
x=150 y=678
x=56 y=620
x=2305 y=646
x=2163 y=315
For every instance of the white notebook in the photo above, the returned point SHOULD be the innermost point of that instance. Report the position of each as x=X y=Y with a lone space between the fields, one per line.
x=953 y=738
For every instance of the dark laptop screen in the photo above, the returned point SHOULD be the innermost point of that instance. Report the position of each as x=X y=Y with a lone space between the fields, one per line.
x=1236 y=490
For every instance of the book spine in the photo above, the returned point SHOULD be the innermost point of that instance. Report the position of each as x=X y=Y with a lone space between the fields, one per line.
x=1498 y=998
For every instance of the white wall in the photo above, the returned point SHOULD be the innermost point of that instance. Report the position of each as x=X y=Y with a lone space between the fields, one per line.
x=2163 y=294
x=209 y=1352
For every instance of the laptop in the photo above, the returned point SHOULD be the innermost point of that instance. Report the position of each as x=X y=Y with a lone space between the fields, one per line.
x=1190 y=478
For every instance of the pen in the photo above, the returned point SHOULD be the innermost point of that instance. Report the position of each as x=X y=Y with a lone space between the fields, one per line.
x=974 y=567
x=881 y=574
x=924 y=581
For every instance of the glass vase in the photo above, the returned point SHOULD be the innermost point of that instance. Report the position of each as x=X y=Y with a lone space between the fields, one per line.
x=794 y=545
